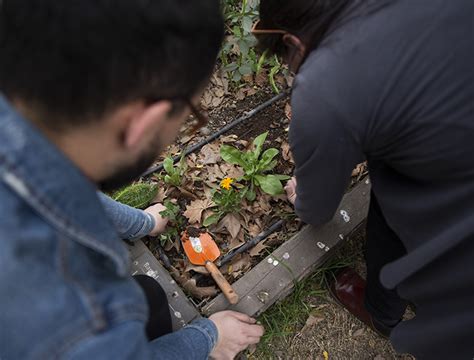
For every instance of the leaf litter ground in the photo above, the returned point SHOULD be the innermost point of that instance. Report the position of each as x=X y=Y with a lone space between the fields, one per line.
x=205 y=169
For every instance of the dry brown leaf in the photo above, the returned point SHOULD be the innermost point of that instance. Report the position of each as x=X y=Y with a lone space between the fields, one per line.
x=254 y=229
x=310 y=322
x=280 y=79
x=288 y=111
x=286 y=152
x=232 y=223
x=215 y=174
x=239 y=264
x=196 y=268
x=258 y=249
x=289 y=77
x=215 y=93
x=212 y=98
x=187 y=193
x=210 y=154
x=185 y=139
x=243 y=143
x=236 y=242
x=220 y=80
x=281 y=197
x=168 y=246
x=261 y=78
x=228 y=139
x=240 y=95
x=232 y=171
x=172 y=150
x=199 y=292
x=177 y=244
x=246 y=217
x=194 y=210
x=190 y=285
x=251 y=91
x=248 y=78
x=263 y=203
x=160 y=195
x=191 y=160
x=208 y=193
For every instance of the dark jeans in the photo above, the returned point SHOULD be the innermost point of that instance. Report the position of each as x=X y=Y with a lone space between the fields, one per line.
x=159 y=322
x=383 y=246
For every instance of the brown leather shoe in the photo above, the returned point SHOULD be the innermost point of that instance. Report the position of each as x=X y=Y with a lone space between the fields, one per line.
x=348 y=289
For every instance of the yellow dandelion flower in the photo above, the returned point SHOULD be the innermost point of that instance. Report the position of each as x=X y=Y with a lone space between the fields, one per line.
x=326 y=355
x=226 y=182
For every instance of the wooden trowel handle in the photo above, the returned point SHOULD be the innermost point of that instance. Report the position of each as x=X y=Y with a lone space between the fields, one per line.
x=223 y=284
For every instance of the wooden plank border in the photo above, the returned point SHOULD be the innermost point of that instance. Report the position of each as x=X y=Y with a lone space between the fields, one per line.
x=144 y=262
x=274 y=277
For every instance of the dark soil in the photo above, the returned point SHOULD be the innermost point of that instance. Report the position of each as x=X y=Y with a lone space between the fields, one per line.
x=274 y=120
x=271 y=119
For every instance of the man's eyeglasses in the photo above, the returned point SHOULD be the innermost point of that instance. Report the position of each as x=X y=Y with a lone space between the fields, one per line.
x=199 y=116
x=256 y=31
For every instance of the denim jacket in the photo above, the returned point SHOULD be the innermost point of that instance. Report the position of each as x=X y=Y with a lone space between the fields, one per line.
x=65 y=285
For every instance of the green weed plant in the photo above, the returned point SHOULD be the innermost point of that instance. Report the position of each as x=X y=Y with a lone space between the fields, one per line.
x=174 y=174
x=256 y=164
x=175 y=224
x=238 y=55
x=227 y=199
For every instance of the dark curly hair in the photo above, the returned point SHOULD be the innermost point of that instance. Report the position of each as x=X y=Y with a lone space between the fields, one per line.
x=309 y=20
x=76 y=60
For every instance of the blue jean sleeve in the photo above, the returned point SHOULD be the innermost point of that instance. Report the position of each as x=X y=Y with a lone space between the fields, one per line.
x=195 y=341
x=130 y=223
x=128 y=341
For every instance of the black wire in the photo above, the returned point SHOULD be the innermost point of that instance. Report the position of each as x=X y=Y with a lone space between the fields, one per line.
x=251 y=243
x=217 y=134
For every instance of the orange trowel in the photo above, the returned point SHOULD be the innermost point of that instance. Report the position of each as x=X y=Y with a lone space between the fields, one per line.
x=201 y=250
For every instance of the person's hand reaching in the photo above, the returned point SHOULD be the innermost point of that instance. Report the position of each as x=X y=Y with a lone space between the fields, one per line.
x=290 y=189
x=160 y=222
x=236 y=332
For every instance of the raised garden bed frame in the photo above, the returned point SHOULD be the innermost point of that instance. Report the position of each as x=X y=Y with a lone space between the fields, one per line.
x=275 y=276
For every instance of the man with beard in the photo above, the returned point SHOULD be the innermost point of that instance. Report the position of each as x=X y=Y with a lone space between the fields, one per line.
x=92 y=92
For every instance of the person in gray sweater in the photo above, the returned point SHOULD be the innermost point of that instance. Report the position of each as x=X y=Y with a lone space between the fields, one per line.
x=391 y=83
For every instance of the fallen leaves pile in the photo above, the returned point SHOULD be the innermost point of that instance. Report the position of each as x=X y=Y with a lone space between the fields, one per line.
x=205 y=170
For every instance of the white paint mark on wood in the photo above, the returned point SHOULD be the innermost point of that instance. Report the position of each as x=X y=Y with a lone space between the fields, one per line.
x=263 y=296
x=323 y=246
x=176 y=313
x=345 y=216
x=150 y=272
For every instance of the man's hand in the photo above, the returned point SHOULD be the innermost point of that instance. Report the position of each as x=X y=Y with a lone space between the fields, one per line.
x=160 y=222
x=290 y=189
x=236 y=332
